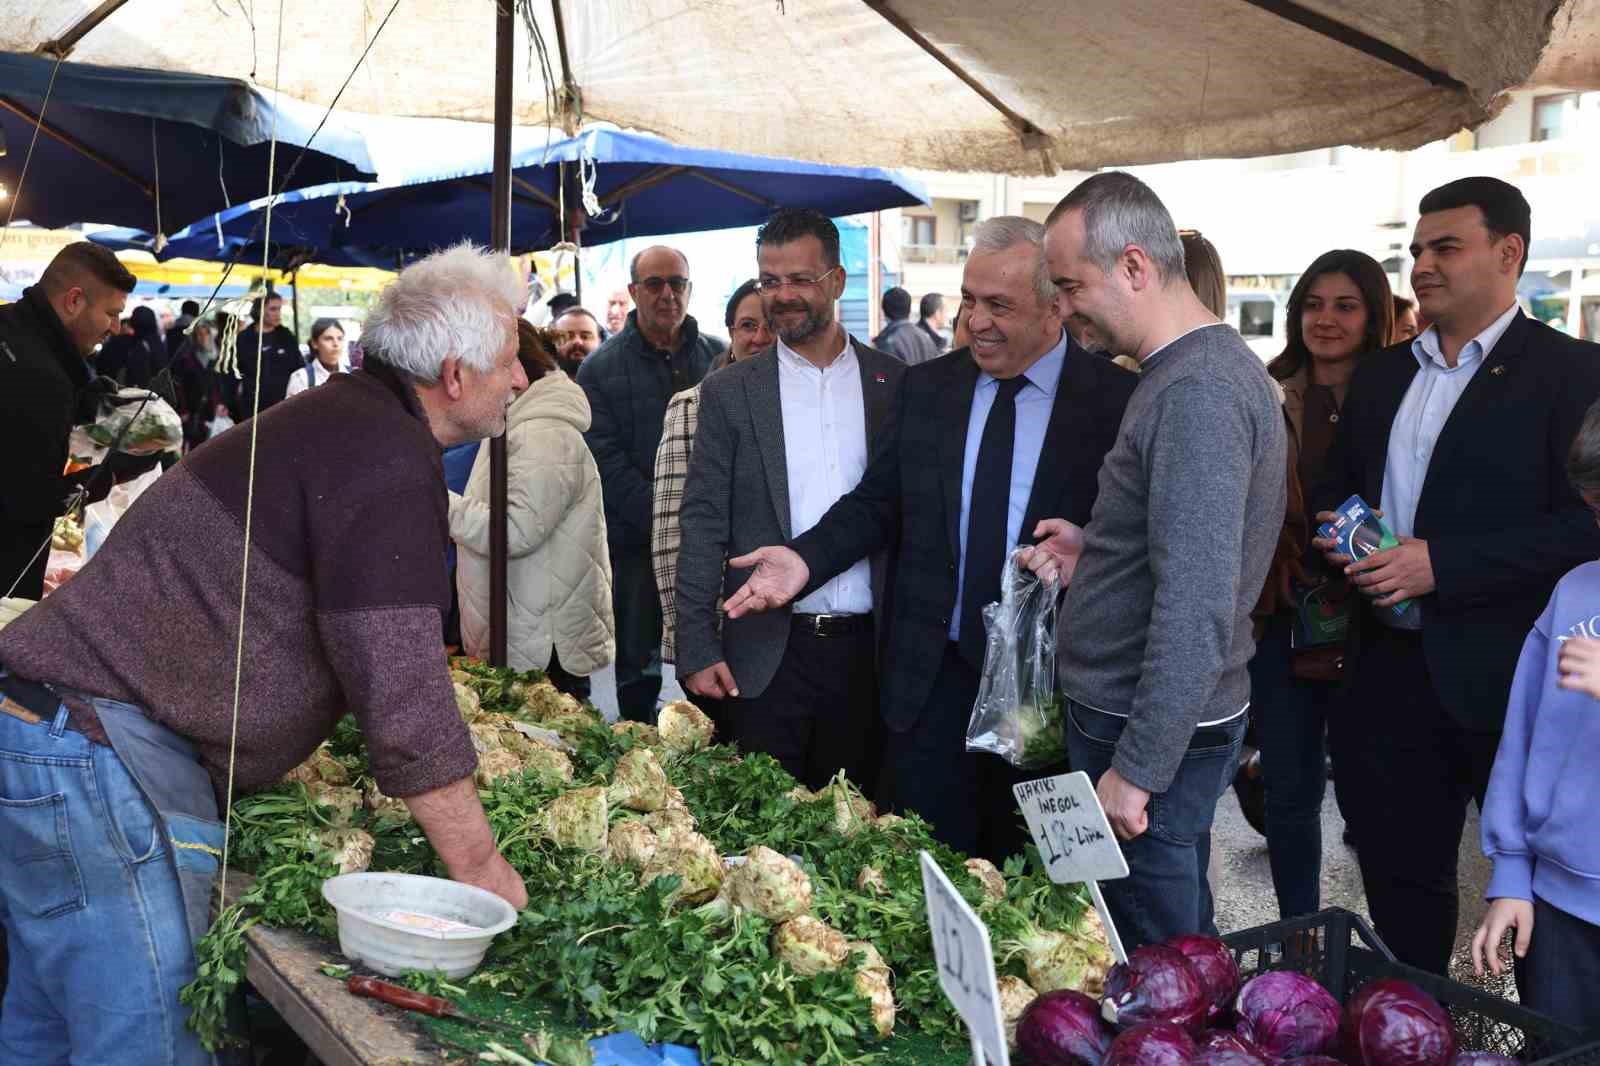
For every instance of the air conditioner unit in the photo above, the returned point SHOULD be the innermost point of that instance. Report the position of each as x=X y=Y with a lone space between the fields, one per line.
x=969 y=211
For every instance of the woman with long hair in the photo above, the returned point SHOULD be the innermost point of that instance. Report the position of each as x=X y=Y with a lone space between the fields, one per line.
x=328 y=357
x=558 y=579
x=1339 y=310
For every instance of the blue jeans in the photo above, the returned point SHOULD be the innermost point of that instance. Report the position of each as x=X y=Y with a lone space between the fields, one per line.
x=90 y=902
x=1166 y=892
x=1291 y=717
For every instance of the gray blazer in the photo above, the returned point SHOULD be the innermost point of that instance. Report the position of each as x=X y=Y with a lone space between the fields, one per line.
x=736 y=499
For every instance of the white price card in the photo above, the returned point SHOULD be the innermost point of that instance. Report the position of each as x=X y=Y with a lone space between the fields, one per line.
x=966 y=964
x=1074 y=838
x=1070 y=827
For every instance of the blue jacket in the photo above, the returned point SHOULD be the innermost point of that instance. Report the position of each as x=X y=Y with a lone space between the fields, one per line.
x=628 y=382
x=1538 y=817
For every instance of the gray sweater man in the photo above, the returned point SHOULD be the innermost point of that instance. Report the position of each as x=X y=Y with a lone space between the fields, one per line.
x=1155 y=634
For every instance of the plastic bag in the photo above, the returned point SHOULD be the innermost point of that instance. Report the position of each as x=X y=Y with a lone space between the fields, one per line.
x=145 y=422
x=1017 y=715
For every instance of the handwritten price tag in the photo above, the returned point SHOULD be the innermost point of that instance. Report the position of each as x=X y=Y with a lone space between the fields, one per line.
x=1069 y=825
x=1075 y=839
x=966 y=964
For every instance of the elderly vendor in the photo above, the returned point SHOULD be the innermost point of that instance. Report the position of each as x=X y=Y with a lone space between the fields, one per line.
x=119 y=688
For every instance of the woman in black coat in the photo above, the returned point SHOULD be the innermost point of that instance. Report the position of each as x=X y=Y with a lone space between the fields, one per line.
x=133 y=359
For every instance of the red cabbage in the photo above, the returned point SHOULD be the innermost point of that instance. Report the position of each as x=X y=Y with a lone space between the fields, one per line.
x=1063 y=1028
x=1222 y=1048
x=1483 y=1058
x=1153 y=1044
x=1312 y=1060
x=1287 y=1014
x=1156 y=984
x=1394 y=1023
x=1215 y=966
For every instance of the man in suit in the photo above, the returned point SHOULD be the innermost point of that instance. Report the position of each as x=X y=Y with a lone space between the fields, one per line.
x=781 y=436
x=1461 y=437
x=989 y=447
x=658 y=352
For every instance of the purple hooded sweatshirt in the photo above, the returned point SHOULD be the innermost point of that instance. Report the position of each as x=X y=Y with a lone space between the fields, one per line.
x=1544 y=794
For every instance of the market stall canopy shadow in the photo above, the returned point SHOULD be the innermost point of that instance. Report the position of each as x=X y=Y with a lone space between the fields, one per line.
x=1011 y=86
x=152 y=148
x=642 y=185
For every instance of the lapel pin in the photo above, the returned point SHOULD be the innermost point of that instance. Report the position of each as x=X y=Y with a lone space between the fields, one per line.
x=880 y=379
x=1498 y=369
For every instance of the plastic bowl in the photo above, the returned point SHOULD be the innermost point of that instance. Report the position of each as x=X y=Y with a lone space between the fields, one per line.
x=392 y=948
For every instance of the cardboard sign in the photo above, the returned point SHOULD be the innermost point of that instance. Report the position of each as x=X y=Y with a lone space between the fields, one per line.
x=1070 y=827
x=1074 y=838
x=966 y=964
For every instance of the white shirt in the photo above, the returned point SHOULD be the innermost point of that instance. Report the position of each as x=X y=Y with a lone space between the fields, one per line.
x=298 y=382
x=1425 y=409
x=825 y=451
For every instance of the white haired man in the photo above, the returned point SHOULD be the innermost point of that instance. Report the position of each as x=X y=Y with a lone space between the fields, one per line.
x=114 y=743
x=993 y=446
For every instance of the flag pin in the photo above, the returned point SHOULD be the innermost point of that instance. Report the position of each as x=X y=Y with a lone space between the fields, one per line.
x=880 y=379
x=1500 y=369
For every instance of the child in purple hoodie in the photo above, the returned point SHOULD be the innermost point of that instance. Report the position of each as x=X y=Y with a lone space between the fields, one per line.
x=1540 y=815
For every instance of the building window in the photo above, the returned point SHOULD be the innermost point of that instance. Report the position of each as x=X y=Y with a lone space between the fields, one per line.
x=1255 y=318
x=919 y=229
x=1554 y=116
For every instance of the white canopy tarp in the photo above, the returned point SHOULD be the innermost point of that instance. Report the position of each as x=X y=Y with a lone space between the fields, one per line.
x=1013 y=86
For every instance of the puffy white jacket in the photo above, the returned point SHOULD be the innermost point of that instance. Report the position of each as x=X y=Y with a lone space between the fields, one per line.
x=559 y=573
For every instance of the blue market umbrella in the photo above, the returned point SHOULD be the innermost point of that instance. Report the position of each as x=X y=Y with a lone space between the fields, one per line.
x=131 y=147
x=644 y=186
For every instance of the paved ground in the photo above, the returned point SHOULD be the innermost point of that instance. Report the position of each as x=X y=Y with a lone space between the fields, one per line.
x=1245 y=897
x=1244 y=893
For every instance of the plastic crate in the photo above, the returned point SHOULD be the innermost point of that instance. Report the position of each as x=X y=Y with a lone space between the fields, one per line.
x=1340 y=950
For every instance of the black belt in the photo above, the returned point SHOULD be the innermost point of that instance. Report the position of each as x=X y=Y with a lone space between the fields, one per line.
x=28 y=700
x=832 y=625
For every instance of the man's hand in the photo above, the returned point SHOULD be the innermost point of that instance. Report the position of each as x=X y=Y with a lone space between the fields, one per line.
x=1503 y=914
x=1403 y=572
x=1327 y=545
x=1056 y=555
x=452 y=818
x=498 y=877
x=1578 y=663
x=1127 y=805
x=779 y=576
x=715 y=682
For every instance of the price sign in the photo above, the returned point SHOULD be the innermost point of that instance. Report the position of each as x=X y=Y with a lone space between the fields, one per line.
x=1074 y=838
x=966 y=965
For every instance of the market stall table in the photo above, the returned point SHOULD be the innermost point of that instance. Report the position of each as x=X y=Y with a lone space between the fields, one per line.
x=284 y=966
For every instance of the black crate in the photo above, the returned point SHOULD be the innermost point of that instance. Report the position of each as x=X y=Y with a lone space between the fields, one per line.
x=1340 y=950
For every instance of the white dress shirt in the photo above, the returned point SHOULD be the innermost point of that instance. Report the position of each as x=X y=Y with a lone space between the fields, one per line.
x=825 y=451
x=1426 y=408
x=298 y=382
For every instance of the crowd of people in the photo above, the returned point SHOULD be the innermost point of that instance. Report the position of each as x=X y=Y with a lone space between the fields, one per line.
x=809 y=528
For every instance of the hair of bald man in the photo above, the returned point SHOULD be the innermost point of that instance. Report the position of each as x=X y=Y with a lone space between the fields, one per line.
x=82 y=263
x=633 y=266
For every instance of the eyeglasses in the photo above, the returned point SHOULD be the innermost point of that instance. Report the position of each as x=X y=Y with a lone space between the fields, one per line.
x=747 y=325
x=769 y=283
x=654 y=285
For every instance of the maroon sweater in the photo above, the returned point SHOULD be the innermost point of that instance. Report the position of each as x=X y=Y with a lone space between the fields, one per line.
x=347 y=589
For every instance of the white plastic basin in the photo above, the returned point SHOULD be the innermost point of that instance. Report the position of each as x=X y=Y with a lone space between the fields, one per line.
x=392 y=948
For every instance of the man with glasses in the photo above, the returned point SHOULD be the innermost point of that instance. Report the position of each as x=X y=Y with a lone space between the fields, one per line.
x=994 y=446
x=781 y=437
x=577 y=338
x=629 y=379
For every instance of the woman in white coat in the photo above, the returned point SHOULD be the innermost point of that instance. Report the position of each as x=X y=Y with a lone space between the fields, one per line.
x=558 y=618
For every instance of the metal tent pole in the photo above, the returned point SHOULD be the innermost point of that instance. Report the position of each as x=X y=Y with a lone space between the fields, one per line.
x=500 y=241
